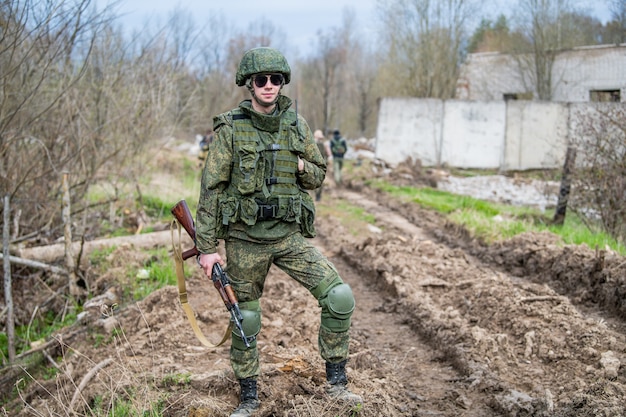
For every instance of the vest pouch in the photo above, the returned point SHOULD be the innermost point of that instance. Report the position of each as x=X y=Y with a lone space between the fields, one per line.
x=249 y=210
x=249 y=174
x=291 y=207
x=228 y=208
x=307 y=226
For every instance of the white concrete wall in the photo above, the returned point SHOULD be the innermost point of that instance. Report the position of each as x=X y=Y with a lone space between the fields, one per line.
x=536 y=135
x=507 y=135
x=473 y=133
x=410 y=128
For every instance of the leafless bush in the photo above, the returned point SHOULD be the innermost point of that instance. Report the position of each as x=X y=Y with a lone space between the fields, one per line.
x=599 y=183
x=44 y=50
x=78 y=98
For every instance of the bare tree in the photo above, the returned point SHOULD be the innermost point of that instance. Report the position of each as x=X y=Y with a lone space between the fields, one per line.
x=323 y=76
x=77 y=97
x=122 y=103
x=211 y=73
x=616 y=29
x=548 y=28
x=183 y=36
x=43 y=50
x=424 y=40
x=321 y=73
x=363 y=71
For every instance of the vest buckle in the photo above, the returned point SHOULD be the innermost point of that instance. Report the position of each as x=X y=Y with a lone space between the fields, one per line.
x=267 y=211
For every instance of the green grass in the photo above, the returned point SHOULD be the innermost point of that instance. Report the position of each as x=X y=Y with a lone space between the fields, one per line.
x=177 y=379
x=491 y=221
x=576 y=232
x=125 y=408
x=157 y=198
x=159 y=193
x=183 y=184
x=99 y=193
x=41 y=326
x=352 y=217
x=155 y=207
x=190 y=177
x=99 y=256
x=441 y=201
x=160 y=273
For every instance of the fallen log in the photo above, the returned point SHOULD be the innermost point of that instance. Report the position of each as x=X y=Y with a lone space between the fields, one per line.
x=52 y=253
x=35 y=264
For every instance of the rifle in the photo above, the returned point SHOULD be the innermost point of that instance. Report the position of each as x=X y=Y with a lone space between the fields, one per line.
x=183 y=216
x=220 y=280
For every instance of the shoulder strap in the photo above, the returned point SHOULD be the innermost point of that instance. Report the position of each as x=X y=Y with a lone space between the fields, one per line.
x=182 y=294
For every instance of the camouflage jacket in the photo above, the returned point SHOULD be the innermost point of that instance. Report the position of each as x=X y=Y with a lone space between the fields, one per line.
x=250 y=185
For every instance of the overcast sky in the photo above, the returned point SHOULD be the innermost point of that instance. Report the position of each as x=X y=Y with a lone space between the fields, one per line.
x=299 y=20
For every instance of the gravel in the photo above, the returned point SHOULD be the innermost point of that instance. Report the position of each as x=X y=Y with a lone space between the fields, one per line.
x=499 y=188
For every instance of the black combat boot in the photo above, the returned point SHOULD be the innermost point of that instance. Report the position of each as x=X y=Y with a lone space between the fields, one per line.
x=337 y=383
x=249 y=401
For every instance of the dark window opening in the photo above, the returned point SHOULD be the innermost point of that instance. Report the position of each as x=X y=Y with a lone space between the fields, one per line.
x=517 y=96
x=610 y=96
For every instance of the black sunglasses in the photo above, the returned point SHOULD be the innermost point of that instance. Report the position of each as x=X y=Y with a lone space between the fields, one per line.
x=261 y=79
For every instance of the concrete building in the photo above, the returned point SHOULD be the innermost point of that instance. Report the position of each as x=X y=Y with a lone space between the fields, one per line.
x=583 y=74
x=496 y=120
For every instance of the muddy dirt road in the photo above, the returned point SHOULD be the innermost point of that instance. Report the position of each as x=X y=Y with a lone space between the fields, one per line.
x=445 y=326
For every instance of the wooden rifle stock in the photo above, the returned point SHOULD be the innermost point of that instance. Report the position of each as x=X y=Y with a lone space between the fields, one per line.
x=220 y=280
x=182 y=214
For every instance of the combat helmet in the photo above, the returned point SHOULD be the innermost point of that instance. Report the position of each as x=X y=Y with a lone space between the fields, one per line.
x=259 y=60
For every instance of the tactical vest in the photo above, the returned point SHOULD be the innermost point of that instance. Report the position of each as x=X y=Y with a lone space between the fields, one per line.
x=338 y=147
x=263 y=184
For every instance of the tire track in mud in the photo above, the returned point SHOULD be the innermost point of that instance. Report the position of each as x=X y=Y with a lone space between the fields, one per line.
x=517 y=347
x=386 y=333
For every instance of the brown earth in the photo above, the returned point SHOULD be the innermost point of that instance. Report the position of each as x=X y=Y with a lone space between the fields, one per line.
x=445 y=326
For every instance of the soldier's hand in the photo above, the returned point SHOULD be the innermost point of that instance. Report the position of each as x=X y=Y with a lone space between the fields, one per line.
x=207 y=260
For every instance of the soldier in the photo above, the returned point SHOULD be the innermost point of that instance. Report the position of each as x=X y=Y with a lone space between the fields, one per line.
x=338 y=148
x=253 y=195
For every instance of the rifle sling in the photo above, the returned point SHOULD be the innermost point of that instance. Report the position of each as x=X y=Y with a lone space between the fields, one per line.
x=182 y=293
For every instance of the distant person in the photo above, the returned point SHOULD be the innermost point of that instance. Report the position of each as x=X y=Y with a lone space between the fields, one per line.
x=254 y=196
x=206 y=140
x=324 y=148
x=338 y=148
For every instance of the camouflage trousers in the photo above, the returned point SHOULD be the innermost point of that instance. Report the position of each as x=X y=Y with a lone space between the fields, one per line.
x=337 y=167
x=248 y=266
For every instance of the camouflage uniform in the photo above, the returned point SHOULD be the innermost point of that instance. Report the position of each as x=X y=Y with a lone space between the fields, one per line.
x=252 y=245
x=254 y=196
x=338 y=147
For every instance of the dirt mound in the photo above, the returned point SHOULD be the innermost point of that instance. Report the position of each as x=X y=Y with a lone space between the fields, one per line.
x=595 y=278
